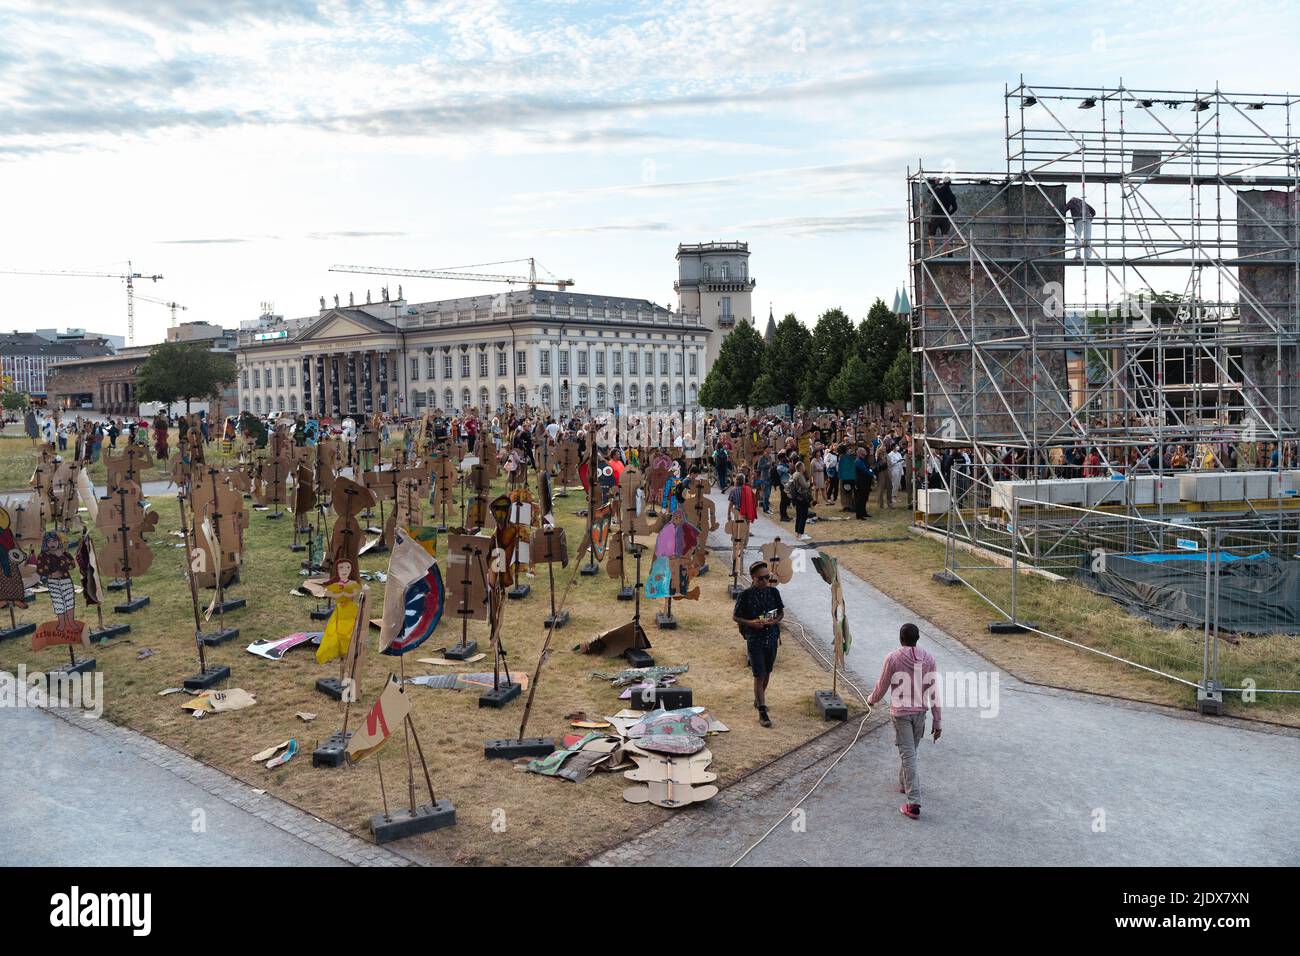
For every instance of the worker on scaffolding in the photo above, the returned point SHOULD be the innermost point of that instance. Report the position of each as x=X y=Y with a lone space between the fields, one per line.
x=942 y=205
x=1081 y=215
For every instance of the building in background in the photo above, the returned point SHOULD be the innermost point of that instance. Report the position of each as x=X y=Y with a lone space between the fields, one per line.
x=559 y=350
x=72 y=335
x=27 y=357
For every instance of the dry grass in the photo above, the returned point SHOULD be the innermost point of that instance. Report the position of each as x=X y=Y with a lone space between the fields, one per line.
x=547 y=820
x=902 y=569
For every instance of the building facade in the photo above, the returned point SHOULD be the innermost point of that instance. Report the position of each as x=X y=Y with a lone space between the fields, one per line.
x=27 y=357
x=561 y=351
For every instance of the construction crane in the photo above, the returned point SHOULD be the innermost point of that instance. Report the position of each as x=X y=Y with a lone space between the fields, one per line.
x=451 y=272
x=130 y=276
x=171 y=305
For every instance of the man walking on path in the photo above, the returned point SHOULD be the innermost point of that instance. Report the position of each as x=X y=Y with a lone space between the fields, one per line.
x=861 y=484
x=909 y=677
x=759 y=612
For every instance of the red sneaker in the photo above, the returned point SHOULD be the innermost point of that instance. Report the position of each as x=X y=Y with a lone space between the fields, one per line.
x=912 y=810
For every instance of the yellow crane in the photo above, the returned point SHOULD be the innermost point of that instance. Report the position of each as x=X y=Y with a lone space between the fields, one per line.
x=453 y=272
x=130 y=276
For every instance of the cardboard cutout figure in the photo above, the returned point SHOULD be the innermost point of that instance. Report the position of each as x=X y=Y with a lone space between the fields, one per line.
x=345 y=590
x=778 y=556
x=12 y=558
x=54 y=565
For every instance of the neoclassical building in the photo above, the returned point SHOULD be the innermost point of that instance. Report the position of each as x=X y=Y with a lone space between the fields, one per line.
x=557 y=350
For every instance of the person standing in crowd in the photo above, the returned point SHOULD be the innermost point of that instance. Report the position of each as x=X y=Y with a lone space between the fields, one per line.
x=741 y=501
x=758 y=613
x=848 y=477
x=909 y=676
x=113 y=432
x=861 y=483
x=801 y=497
x=722 y=462
x=884 y=491
x=763 y=476
x=831 y=463
x=783 y=482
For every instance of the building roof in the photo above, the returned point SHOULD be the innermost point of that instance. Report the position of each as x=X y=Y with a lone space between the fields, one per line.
x=31 y=344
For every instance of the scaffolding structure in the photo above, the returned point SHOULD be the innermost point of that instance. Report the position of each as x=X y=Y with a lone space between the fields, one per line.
x=1176 y=322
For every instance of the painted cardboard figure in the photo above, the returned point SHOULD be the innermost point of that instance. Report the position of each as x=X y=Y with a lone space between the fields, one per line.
x=345 y=590
x=12 y=558
x=54 y=565
x=674 y=561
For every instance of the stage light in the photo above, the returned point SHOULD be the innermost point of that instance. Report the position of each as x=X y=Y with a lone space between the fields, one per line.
x=1029 y=101
x=1088 y=104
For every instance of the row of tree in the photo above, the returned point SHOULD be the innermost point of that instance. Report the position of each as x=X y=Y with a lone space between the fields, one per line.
x=833 y=365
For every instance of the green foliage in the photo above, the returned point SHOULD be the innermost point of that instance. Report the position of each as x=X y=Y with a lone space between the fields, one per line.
x=878 y=339
x=853 y=386
x=183 y=372
x=730 y=383
x=832 y=341
x=899 y=377
x=14 y=401
x=785 y=364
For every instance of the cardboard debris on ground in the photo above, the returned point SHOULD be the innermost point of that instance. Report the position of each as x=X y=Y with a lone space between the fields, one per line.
x=220 y=701
x=668 y=780
x=447 y=662
x=304 y=716
x=473 y=681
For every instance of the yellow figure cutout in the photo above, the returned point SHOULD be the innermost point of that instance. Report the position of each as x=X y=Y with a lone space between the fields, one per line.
x=338 y=629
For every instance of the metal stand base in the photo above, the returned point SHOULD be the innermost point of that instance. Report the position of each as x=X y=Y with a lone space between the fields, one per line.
x=500 y=695
x=81 y=667
x=117 y=584
x=105 y=632
x=627 y=594
x=322 y=614
x=945 y=577
x=510 y=748
x=830 y=705
x=333 y=752
x=1209 y=702
x=587 y=570
x=131 y=607
x=331 y=687
x=403 y=823
x=461 y=652
x=665 y=622
x=208 y=678
x=636 y=657
x=557 y=620
x=1009 y=627
x=520 y=590
x=19 y=631
x=213 y=638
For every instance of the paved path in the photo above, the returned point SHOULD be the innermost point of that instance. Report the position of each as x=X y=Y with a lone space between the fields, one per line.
x=82 y=792
x=1027 y=786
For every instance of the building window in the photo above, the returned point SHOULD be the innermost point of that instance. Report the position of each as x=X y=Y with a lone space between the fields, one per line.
x=293 y=376
x=501 y=364
x=663 y=394
x=582 y=396
x=482 y=365
x=564 y=398
x=257 y=404
x=279 y=378
x=464 y=365
x=617 y=360
x=523 y=393
x=502 y=395
x=678 y=393
x=694 y=395
x=546 y=396
x=419 y=398
x=725 y=305
x=677 y=363
x=483 y=399
x=464 y=399
x=243 y=378
x=726 y=271
x=257 y=378
x=600 y=396
x=600 y=361
x=633 y=395
x=564 y=361
x=415 y=369
x=521 y=363
x=582 y=361
x=633 y=362
x=293 y=403
x=618 y=393
x=446 y=367
x=246 y=406
x=663 y=363
x=279 y=403
x=544 y=362
x=447 y=398
x=695 y=364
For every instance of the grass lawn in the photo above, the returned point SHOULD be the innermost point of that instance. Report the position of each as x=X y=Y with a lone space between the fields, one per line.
x=902 y=566
x=546 y=820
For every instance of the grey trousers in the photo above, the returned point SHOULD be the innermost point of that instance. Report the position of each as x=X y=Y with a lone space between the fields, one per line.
x=909 y=731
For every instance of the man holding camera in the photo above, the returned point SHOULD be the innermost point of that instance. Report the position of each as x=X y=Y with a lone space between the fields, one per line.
x=759 y=612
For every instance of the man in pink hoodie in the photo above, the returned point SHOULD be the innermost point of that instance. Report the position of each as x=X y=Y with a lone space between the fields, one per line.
x=911 y=680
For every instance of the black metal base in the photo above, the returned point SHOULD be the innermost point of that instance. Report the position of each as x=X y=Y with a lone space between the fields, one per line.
x=130 y=607
x=500 y=695
x=461 y=652
x=665 y=621
x=403 y=823
x=208 y=678
x=830 y=705
x=510 y=748
x=556 y=620
x=81 y=667
x=636 y=657
x=587 y=570
x=18 y=631
x=117 y=584
x=297 y=547
x=331 y=687
x=333 y=752
x=309 y=567
x=670 y=698
x=1009 y=627
x=213 y=638
x=1209 y=703
x=234 y=604
x=627 y=594
x=105 y=632
x=377 y=549
x=520 y=590
x=274 y=515
x=944 y=577
x=322 y=614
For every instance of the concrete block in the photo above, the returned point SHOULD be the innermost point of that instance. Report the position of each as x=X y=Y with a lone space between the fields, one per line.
x=1232 y=486
x=1105 y=491
x=1200 y=487
x=1257 y=484
x=932 y=501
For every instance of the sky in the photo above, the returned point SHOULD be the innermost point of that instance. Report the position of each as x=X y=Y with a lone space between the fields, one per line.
x=241 y=147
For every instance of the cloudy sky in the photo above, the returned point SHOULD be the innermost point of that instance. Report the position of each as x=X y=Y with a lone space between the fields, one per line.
x=240 y=147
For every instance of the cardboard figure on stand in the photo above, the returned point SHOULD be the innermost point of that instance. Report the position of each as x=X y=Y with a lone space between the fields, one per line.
x=345 y=590
x=779 y=557
x=567 y=457
x=349 y=499
x=13 y=592
x=331 y=753
x=414 y=597
x=304 y=503
x=674 y=565
x=124 y=522
x=207 y=676
x=828 y=701
x=702 y=512
x=54 y=566
x=552 y=549
x=738 y=531
x=92 y=589
x=467 y=586
x=523 y=518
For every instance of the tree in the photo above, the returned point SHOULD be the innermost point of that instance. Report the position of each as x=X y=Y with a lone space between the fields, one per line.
x=832 y=341
x=14 y=401
x=878 y=339
x=785 y=364
x=898 y=379
x=730 y=383
x=183 y=371
x=853 y=387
